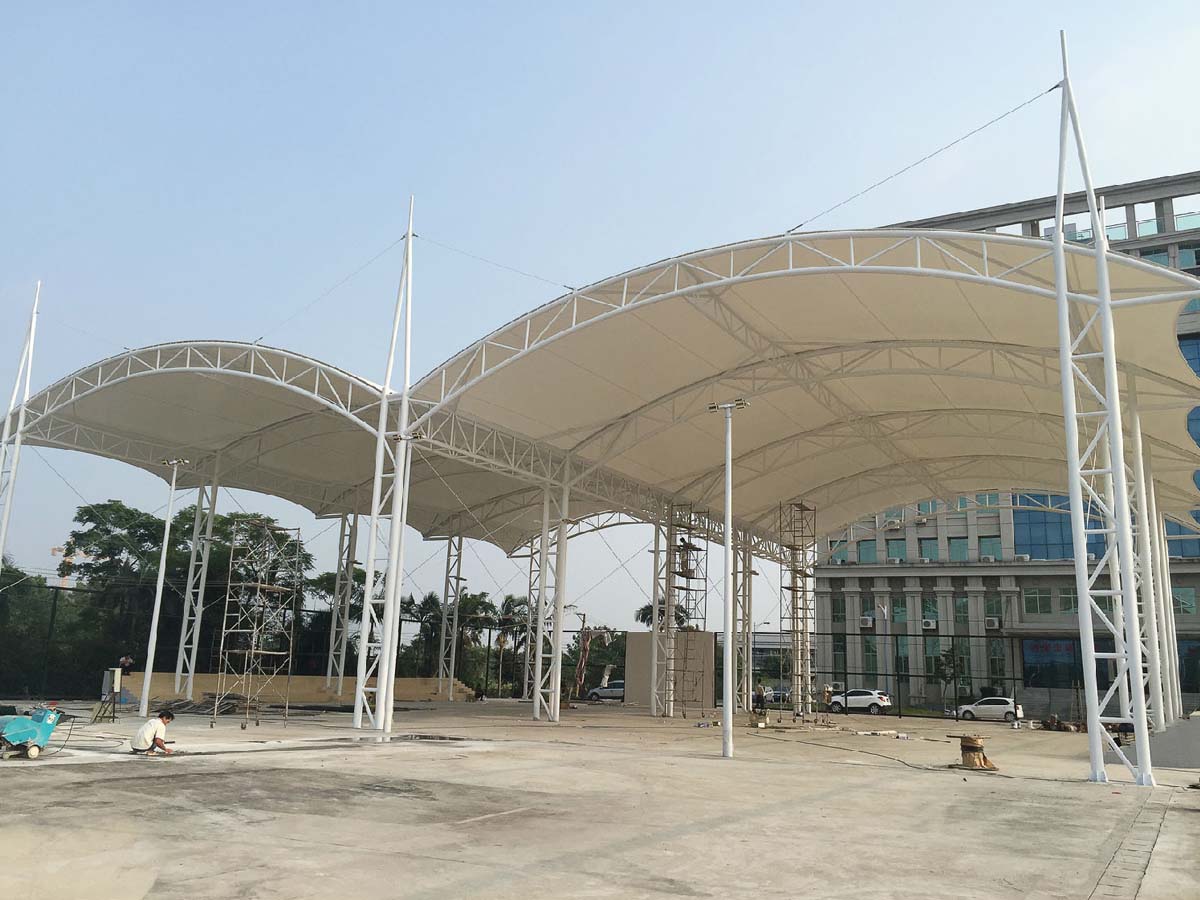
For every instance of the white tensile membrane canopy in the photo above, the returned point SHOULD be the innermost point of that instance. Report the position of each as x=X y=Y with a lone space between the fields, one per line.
x=882 y=367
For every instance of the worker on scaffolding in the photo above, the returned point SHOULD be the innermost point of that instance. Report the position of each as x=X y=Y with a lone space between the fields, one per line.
x=151 y=737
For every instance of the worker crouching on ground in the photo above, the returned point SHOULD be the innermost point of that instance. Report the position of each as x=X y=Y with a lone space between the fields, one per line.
x=150 y=737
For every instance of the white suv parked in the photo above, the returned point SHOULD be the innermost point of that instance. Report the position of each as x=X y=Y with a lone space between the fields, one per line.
x=874 y=702
x=992 y=708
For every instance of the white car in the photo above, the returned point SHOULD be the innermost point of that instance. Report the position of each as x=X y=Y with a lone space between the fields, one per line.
x=614 y=690
x=874 y=702
x=992 y=708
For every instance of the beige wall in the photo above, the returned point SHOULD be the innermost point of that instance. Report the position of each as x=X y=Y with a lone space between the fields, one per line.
x=696 y=649
x=303 y=689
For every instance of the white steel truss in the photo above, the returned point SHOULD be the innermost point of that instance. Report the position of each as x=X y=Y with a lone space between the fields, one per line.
x=743 y=624
x=11 y=439
x=551 y=601
x=339 y=604
x=451 y=597
x=1098 y=486
x=193 y=595
x=797 y=529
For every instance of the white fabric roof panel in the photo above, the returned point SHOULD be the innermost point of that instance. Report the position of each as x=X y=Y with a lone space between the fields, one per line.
x=876 y=363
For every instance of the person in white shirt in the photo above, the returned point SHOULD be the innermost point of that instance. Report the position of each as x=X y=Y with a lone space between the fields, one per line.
x=149 y=739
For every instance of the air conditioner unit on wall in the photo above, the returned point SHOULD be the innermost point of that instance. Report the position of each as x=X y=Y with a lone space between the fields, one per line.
x=926 y=560
x=991 y=623
x=839 y=562
x=987 y=559
x=836 y=686
x=866 y=621
x=1022 y=557
x=894 y=560
x=929 y=624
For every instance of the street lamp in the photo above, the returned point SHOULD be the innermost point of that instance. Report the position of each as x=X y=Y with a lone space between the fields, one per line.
x=727 y=674
x=144 y=700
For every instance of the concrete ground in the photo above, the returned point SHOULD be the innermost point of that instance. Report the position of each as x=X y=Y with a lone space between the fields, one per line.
x=607 y=804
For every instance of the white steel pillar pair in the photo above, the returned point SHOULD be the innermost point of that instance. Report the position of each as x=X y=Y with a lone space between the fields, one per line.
x=1168 y=651
x=339 y=609
x=10 y=440
x=379 y=626
x=1092 y=422
x=551 y=602
x=152 y=643
x=1174 y=685
x=197 y=579
x=451 y=595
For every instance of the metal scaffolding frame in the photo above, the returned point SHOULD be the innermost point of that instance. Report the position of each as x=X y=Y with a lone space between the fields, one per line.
x=798 y=536
x=451 y=595
x=687 y=592
x=339 y=604
x=12 y=438
x=258 y=626
x=743 y=625
x=663 y=626
x=197 y=580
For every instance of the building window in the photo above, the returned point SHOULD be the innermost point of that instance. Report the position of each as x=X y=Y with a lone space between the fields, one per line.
x=933 y=656
x=962 y=660
x=993 y=607
x=962 y=611
x=1154 y=254
x=990 y=546
x=1191 y=352
x=896 y=548
x=987 y=499
x=929 y=547
x=839 y=654
x=895 y=514
x=929 y=608
x=1189 y=254
x=1068 y=600
x=927 y=507
x=837 y=610
x=901 y=661
x=963 y=503
x=1183 y=541
x=1037 y=601
x=837 y=551
x=870 y=661
x=867 y=552
x=996 y=667
x=958 y=549
x=1184 y=599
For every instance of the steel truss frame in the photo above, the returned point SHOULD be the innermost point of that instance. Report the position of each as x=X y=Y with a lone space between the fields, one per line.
x=339 y=604
x=1101 y=500
x=798 y=533
x=451 y=595
x=743 y=623
x=197 y=580
x=258 y=627
x=12 y=438
x=687 y=593
x=663 y=624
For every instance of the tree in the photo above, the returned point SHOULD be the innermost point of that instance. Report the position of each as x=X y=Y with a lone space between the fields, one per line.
x=642 y=616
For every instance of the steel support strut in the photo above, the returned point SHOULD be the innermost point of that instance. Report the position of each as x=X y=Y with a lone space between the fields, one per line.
x=663 y=636
x=197 y=580
x=542 y=603
x=451 y=597
x=10 y=440
x=339 y=607
x=743 y=625
x=1089 y=379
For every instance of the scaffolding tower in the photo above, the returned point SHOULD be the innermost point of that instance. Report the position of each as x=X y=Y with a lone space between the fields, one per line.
x=798 y=541
x=254 y=665
x=687 y=586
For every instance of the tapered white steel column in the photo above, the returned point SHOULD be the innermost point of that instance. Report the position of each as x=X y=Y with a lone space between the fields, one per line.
x=727 y=696
x=399 y=493
x=10 y=456
x=1176 y=685
x=373 y=620
x=144 y=700
x=655 y=602
x=1157 y=550
x=560 y=599
x=1145 y=526
x=1075 y=480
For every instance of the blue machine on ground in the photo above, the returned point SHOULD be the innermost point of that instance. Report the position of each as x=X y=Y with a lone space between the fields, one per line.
x=27 y=735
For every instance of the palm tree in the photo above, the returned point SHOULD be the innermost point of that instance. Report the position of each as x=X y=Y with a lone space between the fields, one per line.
x=642 y=616
x=513 y=622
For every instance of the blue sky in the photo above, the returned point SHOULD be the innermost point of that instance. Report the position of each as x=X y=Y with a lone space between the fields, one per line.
x=204 y=172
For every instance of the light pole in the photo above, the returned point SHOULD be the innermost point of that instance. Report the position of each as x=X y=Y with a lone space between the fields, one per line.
x=727 y=673
x=144 y=700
